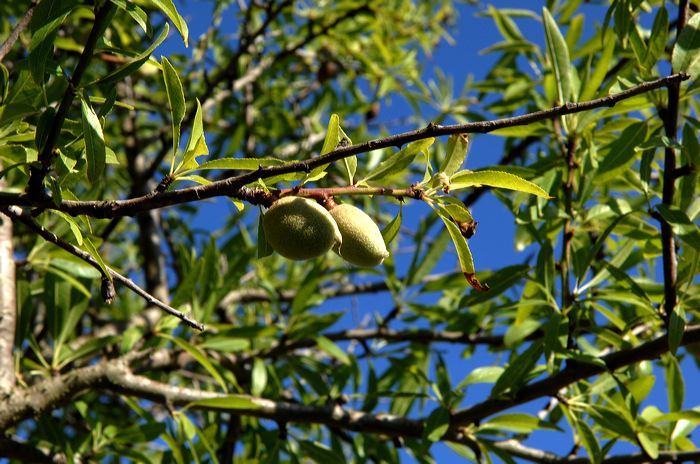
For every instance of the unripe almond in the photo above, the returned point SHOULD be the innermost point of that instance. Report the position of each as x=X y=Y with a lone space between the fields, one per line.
x=363 y=244
x=299 y=228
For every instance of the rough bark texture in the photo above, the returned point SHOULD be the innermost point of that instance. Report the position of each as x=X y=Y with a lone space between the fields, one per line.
x=8 y=305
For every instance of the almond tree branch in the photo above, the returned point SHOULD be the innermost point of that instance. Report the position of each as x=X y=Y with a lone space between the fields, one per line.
x=17 y=30
x=8 y=303
x=18 y=215
x=571 y=374
x=668 y=243
x=234 y=186
x=517 y=449
x=35 y=186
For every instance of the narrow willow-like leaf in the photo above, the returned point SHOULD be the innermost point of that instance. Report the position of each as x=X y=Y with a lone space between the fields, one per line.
x=133 y=65
x=676 y=327
x=457 y=146
x=92 y=249
x=463 y=253
x=264 y=248
x=398 y=162
x=682 y=225
x=392 y=229
x=332 y=349
x=558 y=54
x=602 y=65
x=241 y=164
x=437 y=424
x=332 y=135
x=657 y=38
x=686 y=52
x=258 y=377
x=176 y=99
x=518 y=423
x=621 y=151
x=229 y=402
x=94 y=142
x=499 y=179
x=589 y=441
x=74 y=227
x=487 y=374
x=675 y=386
x=516 y=372
x=168 y=8
x=136 y=13
x=197 y=354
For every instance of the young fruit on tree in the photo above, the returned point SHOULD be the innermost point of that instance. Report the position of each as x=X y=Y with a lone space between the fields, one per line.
x=299 y=228
x=363 y=244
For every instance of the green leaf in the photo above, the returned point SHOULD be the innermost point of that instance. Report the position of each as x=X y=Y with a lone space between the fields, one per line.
x=136 y=13
x=558 y=54
x=593 y=84
x=332 y=135
x=351 y=168
x=197 y=354
x=437 y=424
x=517 y=422
x=675 y=386
x=686 y=52
x=651 y=448
x=332 y=349
x=589 y=441
x=320 y=453
x=168 y=8
x=518 y=368
x=228 y=403
x=241 y=164
x=466 y=261
x=74 y=227
x=176 y=99
x=398 y=162
x=681 y=224
x=499 y=179
x=676 y=327
x=94 y=142
x=621 y=151
x=487 y=374
x=258 y=377
x=48 y=17
x=657 y=38
x=392 y=229
x=457 y=146
x=264 y=248
x=92 y=249
x=133 y=65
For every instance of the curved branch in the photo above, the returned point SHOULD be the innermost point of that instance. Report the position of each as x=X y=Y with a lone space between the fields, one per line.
x=18 y=215
x=17 y=30
x=235 y=186
x=571 y=374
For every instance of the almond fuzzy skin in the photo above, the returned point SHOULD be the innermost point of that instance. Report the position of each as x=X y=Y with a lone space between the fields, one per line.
x=298 y=228
x=363 y=244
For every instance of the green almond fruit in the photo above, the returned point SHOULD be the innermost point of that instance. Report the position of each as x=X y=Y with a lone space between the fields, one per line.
x=298 y=228
x=362 y=244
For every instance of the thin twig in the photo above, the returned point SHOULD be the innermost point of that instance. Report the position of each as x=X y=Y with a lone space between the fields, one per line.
x=19 y=27
x=35 y=186
x=17 y=214
x=571 y=374
x=234 y=186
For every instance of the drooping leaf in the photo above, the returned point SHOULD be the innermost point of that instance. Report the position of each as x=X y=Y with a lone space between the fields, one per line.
x=94 y=142
x=332 y=349
x=686 y=230
x=499 y=179
x=686 y=52
x=392 y=229
x=228 y=402
x=437 y=424
x=517 y=422
x=169 y=9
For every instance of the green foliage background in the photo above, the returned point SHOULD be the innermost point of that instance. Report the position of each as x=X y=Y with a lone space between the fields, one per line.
x=605 y=307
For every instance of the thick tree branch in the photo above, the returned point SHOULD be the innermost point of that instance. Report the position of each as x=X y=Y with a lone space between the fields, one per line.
x=8 y=303
x=571 y=374
x=15 y=450
x=36 y=179
x=234 y=186
x=18 y=215
x=17 y=30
